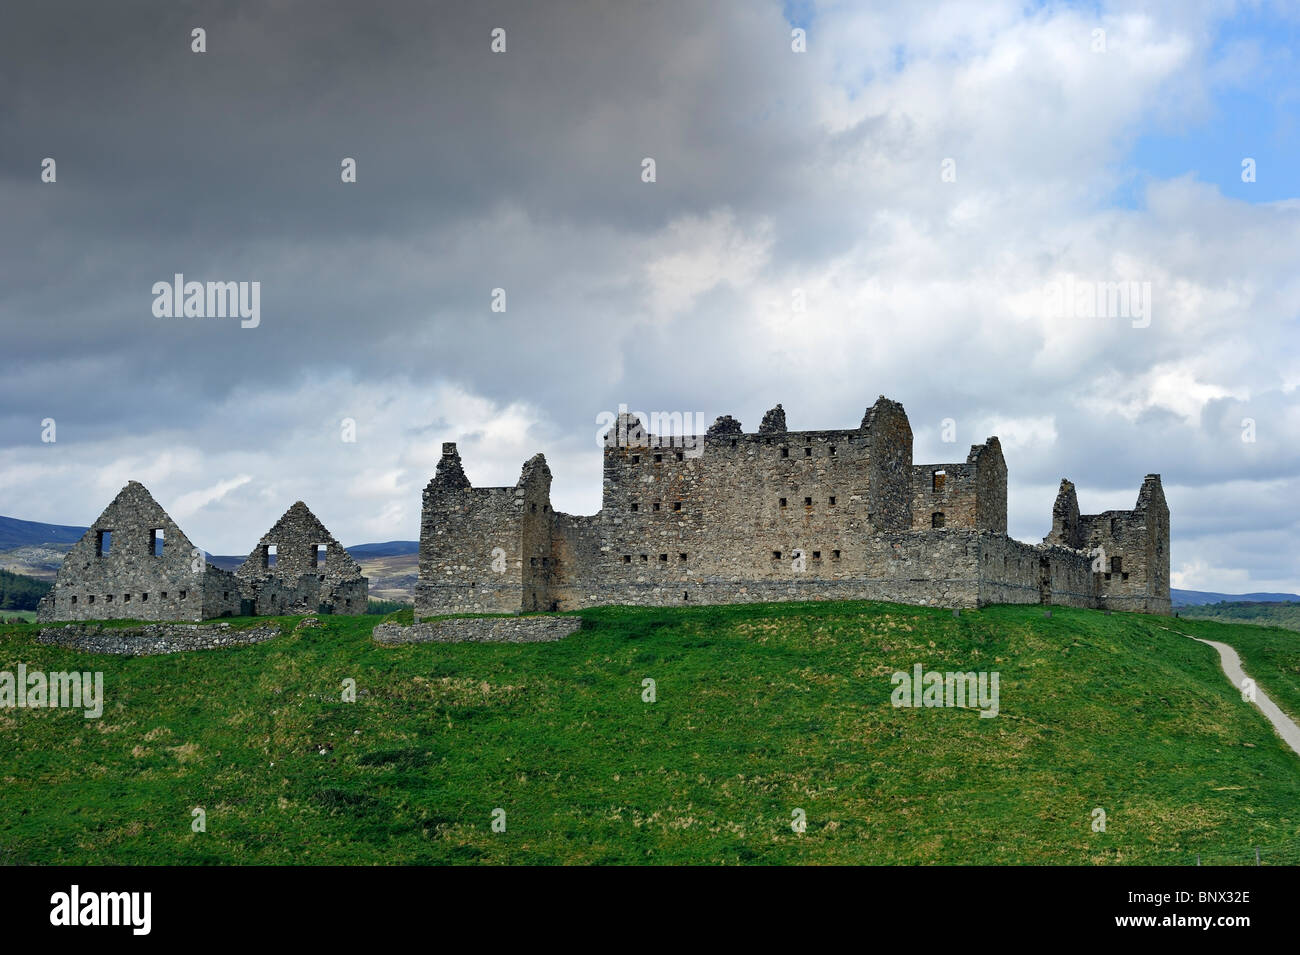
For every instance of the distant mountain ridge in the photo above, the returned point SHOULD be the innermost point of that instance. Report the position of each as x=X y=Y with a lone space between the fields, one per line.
x=1196 y=598
x=16 y=533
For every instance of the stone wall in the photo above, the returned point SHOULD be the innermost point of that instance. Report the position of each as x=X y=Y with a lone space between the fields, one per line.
x=1131 y=547
x=514 y=629
x=154 y=638
x=310 y=573
x=135 y=563
x=731 y=517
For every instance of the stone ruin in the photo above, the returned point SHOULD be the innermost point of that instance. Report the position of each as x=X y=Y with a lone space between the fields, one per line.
x=730 y=517
x=298 y=567
x=135 y=563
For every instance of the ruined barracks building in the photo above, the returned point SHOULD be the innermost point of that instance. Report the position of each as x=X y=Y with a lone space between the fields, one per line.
x=135 y=563
x=732 y=517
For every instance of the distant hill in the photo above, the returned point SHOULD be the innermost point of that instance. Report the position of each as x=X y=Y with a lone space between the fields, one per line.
x=16 y=533
x=20 y=593
x=389 y=549
x=1266 y=614
x=1194 y=598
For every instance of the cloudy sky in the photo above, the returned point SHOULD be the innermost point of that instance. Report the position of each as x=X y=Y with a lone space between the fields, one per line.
x=924 y=179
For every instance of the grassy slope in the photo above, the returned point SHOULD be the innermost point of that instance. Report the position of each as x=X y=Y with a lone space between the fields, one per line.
x=1269 y=655
x=760 y=710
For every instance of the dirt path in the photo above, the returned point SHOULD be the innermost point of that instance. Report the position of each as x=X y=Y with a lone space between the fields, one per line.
x=1285 y=726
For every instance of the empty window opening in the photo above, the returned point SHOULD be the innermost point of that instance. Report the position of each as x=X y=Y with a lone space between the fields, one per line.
x=321 y=578
x=658 y=458
x=347 y=602
x=320 y=555
x=785 y=452
x=663 y=558
x=183 y=593
x=1124 y=576
x=105 y=542
x=1116 y=565
x=1114 y=525
x=532 y=561
x=268 y=555
x=681 y=558
x=783 y=502
x=733 y=442
x=74 y=598
x=677 y=505
x=832 y=450
x=636 y=459
x=681 y=456
x=835 y=555
x=157 y=539
x=686 y=595
x=126 y=598
x=644 y=558
x=807 y=502
x=144 y=596
x=163 y=595
x=636 y=507
x=654 y=506
x=108 y=598
x=90 y=599
x=534 y=508
x=832 y=500
x=627 y=558
x=817 y=555
x=936 y=519
x=776 y=555
x=225 y=595
x=807 y=452
x=939 y=478
x=546 y=508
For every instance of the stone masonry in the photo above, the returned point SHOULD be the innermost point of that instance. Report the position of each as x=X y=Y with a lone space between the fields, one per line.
x=298 y=567
x=731 y=517
x=135 y=563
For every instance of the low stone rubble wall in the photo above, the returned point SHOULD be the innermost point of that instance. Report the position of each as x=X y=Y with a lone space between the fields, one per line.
x=479 y=630
x=153 y=638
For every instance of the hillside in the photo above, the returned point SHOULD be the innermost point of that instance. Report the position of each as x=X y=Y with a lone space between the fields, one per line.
x=20 y=593
x=1281 y=614
x=761 y=710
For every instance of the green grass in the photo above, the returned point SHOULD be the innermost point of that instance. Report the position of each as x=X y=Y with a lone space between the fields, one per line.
x=1269 y=655
x=761 y=709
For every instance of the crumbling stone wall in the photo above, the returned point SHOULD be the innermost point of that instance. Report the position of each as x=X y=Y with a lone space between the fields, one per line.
x=154 y=638
x=310 y=571
x=970 y=495
x=135 y=563
x=731 y=517
x=479 y=630
x=473 y=540
x=1130 y=549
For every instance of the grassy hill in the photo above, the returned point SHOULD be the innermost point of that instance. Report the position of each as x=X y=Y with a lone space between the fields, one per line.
x=760 y=710
x=1283 y=614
